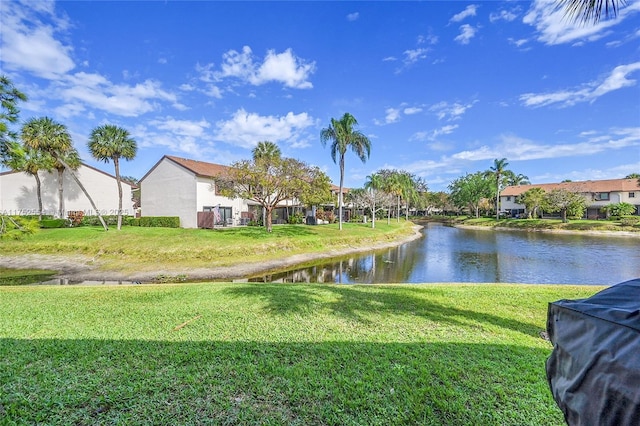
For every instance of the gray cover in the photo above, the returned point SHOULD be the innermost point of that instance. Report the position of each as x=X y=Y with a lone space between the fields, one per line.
x=594 y=368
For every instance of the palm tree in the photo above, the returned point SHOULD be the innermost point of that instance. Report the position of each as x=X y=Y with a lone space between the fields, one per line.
x=498 y=171
x=513 y=179
x=45 y=135
x=30 y=161
x=343 y=136
x=586 y=11
x=9 y=98
x=72 y=159
x=266 y=150
x=111 y=142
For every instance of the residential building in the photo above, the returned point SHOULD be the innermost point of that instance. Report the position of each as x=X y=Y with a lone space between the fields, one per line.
x=18 y=193
x=598 y=193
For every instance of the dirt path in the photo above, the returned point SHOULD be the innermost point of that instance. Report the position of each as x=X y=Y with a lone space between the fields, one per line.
x=78 y=268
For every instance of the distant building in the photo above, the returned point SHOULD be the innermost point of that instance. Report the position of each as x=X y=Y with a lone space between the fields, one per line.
x=18 y=193
x=598 y=193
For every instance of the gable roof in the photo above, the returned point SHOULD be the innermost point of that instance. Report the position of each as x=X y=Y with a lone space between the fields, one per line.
x=199 y=168
x=609 y=185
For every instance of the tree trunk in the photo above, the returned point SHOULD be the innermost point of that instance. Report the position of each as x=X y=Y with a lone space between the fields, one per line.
x=39 y=189
x=340 y=194
x=267 y=224
x=84 y=190
x=60 y=193
x=116 y=163
x=563 y=212
x=373 y=216
x=398 y=209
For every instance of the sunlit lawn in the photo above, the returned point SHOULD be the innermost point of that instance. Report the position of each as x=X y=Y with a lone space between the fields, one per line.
x=277 y=354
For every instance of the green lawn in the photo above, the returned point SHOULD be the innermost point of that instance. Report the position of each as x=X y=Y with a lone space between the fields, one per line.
x=277 y=354
x=145 y=249
x=551 y=224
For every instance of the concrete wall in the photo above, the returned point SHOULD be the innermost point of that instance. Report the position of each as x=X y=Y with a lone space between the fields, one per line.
x=170 y=190
x=18 y=193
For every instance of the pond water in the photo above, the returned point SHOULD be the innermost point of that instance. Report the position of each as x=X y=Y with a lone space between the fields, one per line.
x=449 y=254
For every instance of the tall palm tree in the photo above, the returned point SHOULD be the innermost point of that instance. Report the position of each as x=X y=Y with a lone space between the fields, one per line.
x=46 y=135
x=498 y=171
x=111 y=142
x=586 y=11
x=513 y=179
x=342 y=135
x=9 y=98
x=266 y=150
x=72 y=159
x=30 y=161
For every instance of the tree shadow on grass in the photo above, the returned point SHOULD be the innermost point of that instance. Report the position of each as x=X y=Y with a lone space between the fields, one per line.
x=87 y=381
x=356 y=302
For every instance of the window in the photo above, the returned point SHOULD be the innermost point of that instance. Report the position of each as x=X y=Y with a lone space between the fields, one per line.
x=602 y=196
x=508 y=197
x=632 y=195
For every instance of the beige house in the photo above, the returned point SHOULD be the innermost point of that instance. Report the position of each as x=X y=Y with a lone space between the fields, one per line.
x=18 y=193
x=598 y=194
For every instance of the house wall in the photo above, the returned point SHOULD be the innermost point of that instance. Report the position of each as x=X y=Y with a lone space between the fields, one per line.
x=170 y=190
x=206 y=197
x=18 y=193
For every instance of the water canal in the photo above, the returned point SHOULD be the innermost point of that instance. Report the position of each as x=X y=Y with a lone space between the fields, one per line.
x=448 y=254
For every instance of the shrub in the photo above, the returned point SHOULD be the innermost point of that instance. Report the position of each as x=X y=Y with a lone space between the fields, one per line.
x=16 y=227
x=110 y=220
x=296 y=218
x=75 y=217
x=55 y=223
x=630 y=220
x=356 y=218
x=154 y=221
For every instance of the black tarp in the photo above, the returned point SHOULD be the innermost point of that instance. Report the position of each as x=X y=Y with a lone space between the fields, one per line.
x=594 y=368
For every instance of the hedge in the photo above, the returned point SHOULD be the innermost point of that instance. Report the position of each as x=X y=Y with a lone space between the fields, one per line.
x=154 y=221
x=55 y=223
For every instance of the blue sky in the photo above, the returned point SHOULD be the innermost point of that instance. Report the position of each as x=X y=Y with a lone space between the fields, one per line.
x=440 y=87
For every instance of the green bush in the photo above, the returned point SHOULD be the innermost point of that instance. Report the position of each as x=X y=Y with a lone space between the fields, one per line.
x=630 y=220
x=16 y=227
x=110 y=220
x=154 y=221
x=296 y=218
x=55 y=223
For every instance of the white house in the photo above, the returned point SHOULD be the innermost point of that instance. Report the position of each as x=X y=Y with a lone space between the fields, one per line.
x=186 y=188
x=18 y=193
x=598 y=193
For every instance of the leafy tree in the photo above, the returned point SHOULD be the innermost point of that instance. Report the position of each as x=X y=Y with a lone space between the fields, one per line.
x=375 y=195
x=586 y=11
x=497 y=172
x=567 y=203
x=9 y=98
x=30 y=161
x=46 y=135
x=16 y=227
x=533 y=199
x=470 y=190
x=269 y=183
x=633 y=176
x=343 y=136
x=111 y=142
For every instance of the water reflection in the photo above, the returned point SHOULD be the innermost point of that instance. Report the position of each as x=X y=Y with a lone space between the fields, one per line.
x=447 y=254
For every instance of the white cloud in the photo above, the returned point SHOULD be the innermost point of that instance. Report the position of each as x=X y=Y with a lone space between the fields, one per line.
x=555 y=28
x=246 y=129
x=469 y=11
x=353 y=16
x=467 y=32
x=28 y=44
x=450 y=111
x=414 y=55
x=95 y=91
x=503 y=15
x=516 y=148
x=393 y=115
x=389 y=59
x=283 y=67
x=617 y=79
x=190 y=128
x=518 y=43
x=412 y=110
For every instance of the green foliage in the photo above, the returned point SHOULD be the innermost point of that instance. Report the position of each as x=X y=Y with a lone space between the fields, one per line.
x=569 y=204
x=55 y=223
x=17 y=227
x=153 y=221
x=296 y=218
x=95 y=220
x=9 y=113
x=470 y=190
x=630 y=220
x=619 y=209
x=533 y=199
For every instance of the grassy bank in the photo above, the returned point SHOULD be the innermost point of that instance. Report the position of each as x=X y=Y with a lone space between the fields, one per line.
x=542 y=224
x=142 y=249
x=277 y=354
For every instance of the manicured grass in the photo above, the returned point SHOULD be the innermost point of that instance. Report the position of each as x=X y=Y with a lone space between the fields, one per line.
x=550 y=224
x=277 y=354
x=143 y=249
x=24 y=276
